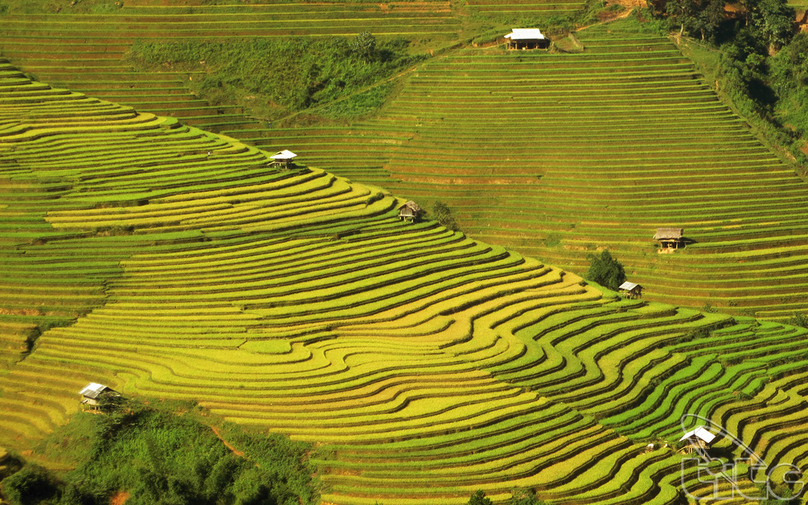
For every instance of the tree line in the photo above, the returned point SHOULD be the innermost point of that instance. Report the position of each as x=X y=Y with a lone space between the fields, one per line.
x=763 y=67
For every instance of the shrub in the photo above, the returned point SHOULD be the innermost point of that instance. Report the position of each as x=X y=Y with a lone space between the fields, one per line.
x=479 y=498
x=30 y=485
x=525 y=497
x=162 y=457
x=605 y=270
x=443 y=215
x=799 y=319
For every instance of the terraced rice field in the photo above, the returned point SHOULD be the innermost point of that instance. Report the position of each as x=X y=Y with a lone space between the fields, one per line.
x=77 y=51
x=423 y=363
x=570 y=153
x=560 y=155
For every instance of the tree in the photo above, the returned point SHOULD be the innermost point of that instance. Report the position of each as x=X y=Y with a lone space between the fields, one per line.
x=30 y=485
x=773 y=21
x=525 y=497
x=708 y=22
x=364 y=46
x=681 y=12
x=479 y=498
x=605 y=270
x=799 y=319
x=443 y=215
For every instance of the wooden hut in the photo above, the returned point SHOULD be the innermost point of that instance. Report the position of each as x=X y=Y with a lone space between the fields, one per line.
x=630 y=290
x=527 y=38
x=670 y=238
x=410 y=211
x=93 y=393
x=698 y=439
x=283 y=158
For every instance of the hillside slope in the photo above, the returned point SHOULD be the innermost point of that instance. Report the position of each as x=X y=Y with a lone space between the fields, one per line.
x=554 y=155
x=560 y=155
x=425 y=364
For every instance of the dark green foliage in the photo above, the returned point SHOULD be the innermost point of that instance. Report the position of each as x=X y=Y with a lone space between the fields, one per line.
x=442 y=214
x=764 y=85
x=31 y=485
x=525 y=497
x=772 y=21
x=799 y=319
x=789 y=77
x=363 y=46
x=479 y=498
x=160 y=457
x=272 y=77
x=605 y=270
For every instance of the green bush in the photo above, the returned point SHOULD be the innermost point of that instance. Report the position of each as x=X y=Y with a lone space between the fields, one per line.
x=605 y=270
x=160 y=457
x=479 y=498
x=274 y=77
x=525 y=497
x=31 y=485
x=442 y=214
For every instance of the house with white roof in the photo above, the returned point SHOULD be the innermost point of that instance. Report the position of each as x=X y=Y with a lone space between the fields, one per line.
x=92 y=394
x=284 y=157
x=630 y=289
x=527 y=38
x=698 y=439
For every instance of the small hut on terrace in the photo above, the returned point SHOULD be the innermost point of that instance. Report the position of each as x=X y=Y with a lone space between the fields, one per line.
x=698 y=439
x=283 y=158
x=630 y=290
x=410 y=211
x=670 y=238
x=527 y=38
x=94 y=393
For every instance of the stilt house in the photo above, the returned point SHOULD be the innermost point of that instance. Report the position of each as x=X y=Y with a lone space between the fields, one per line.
x=283 y=158
x=410 y=211
x=630 y=290
x=93 y=393
x=527 y=38
x=698 y=439
x=670 y=238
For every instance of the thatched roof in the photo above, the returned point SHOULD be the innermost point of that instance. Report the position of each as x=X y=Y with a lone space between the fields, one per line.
x=410 y=205
x=669 y=233
x=628 y=286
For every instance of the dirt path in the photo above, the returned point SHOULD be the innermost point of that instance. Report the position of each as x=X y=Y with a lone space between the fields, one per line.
x=119 y=498
x=235 y=451
x=628 y=4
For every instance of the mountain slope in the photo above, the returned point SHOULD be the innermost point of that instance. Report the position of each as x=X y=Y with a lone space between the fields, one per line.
x=425 y=364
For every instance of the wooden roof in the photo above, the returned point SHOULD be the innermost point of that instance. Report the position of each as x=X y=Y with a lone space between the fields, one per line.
x=669 y=233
